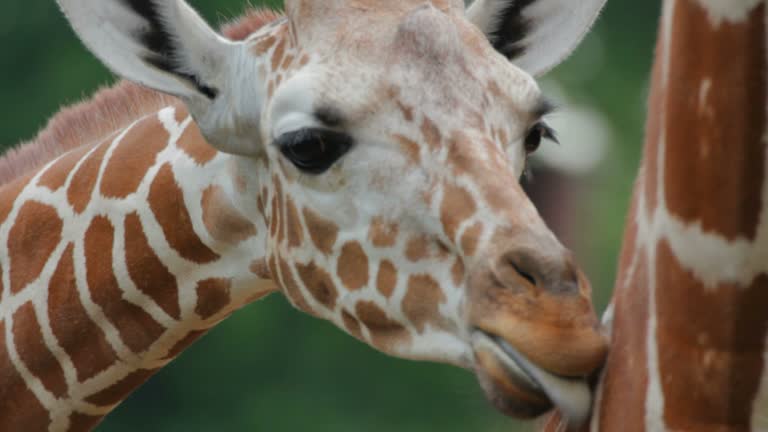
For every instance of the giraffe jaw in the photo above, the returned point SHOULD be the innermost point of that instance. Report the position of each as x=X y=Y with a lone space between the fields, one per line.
x=539 y=388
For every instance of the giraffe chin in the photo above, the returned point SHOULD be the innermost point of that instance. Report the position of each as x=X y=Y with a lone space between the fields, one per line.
x=519 y=388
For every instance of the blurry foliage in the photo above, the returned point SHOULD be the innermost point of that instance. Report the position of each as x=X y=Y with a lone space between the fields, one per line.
x=270 y=368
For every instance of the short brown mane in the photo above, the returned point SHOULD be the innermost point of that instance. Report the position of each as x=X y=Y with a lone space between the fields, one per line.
x=110 y=109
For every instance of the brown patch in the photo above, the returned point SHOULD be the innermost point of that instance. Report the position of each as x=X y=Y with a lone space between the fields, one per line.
x=212 y=297
x=431 y=133
x=494 y=89
x=728 y=161
x=149 y=274
x=20 y=410
x=136 y=327
x=422 y=301
x=134 y=155
x=304 y=60
x=8 y=195
x=292 y=290
x=263 y=45
x=458 y=205
x=260 y=269
x=195 y=146
x=180 y=114
x=418 y=248
x=386 y=280
x=458 y=272
x=625 y=381
x=352 y=325
x=166 y=200
x=31 y=242
x=319 y=284
x=410 y=148
x=277 y=55
x=384 y=331
x=353 y=266
x=383 y=234
x=406 y=111
x=82 y=422
x=184 y=343
x=726 y=337
x=471 y=238
x=653 y=131
x=34 y=353
x=84 y=180
x=295 y=231
x=75 y=332
x=56 y=175
x=121 y=389
x=273 y=270
x=222 y=220
x=287 y=62
x=462 y=156
x=322 y=231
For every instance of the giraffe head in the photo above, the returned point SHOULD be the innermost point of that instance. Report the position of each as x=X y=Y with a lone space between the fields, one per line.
x=380 y=144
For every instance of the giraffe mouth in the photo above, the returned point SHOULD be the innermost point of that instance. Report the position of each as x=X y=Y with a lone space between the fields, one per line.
x=520 y=388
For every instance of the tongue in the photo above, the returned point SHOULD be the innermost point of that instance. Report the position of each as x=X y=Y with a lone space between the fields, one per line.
x=570 y=395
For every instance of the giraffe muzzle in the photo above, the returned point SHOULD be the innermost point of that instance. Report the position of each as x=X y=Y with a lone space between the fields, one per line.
x=534 y=332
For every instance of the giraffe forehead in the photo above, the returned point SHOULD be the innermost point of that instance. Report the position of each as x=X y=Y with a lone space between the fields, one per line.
x=425 y=59
x=316 y=16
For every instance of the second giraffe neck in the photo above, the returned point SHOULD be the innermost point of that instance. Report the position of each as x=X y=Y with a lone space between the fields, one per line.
x=114 y=259
x=688 y=343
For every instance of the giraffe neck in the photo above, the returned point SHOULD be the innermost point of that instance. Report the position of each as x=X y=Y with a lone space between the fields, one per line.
x=690 y=324
x=114 y=258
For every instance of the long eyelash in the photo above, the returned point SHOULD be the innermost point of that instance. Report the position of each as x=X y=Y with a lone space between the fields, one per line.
x=548 y=133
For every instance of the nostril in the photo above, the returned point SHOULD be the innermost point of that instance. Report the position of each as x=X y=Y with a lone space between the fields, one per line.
x=555 y=272
x=524 y=274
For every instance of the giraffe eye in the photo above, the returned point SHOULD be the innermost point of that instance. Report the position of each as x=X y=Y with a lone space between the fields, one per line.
x=314 y=151
x=536 y=133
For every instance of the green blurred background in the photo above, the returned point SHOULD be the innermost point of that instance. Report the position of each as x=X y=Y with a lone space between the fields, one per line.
x=271 y=368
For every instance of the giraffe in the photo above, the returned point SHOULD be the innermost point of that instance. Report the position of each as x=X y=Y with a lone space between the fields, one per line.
x=689 y=318
x=338 y=155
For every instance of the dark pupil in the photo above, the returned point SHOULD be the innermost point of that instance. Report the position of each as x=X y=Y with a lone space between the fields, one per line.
x=314 y=150
x=533 y=140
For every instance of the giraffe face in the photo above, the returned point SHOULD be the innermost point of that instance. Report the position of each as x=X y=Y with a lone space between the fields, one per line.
x=395 y=209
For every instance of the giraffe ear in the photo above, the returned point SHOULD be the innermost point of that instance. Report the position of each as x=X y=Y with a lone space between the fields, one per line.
x=162 y=44
x=165 y=45
x=535 y=35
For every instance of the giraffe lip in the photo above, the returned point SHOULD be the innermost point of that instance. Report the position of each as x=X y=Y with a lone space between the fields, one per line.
x=571 y=395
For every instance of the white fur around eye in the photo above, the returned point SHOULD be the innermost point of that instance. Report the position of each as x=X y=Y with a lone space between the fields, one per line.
x=293 y=105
